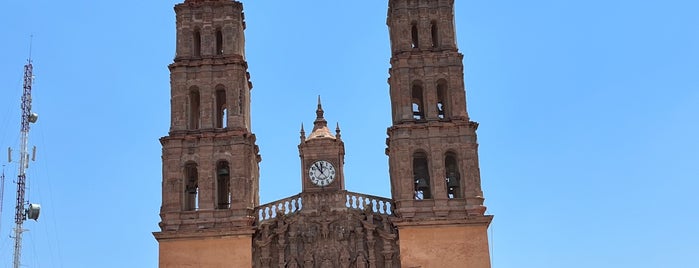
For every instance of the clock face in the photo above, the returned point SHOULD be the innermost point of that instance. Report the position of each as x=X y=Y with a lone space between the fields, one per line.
x=321 y=173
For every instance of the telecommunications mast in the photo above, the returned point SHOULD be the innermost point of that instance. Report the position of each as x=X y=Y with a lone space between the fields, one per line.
x=30 y=211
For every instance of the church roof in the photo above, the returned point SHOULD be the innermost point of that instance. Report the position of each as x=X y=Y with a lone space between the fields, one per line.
x=320 y=125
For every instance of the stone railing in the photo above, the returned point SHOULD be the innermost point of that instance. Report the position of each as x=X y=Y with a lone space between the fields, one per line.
x=378 y=205
x=284 y=206
x=342 y=199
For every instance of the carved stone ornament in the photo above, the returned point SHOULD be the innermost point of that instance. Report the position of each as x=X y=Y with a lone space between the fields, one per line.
x=322 y=233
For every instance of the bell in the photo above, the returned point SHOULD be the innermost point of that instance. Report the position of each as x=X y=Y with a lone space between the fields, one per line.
x=421 y=184
x=452 y=178
x=191 y=189
x=452 y=182
x=223 y=171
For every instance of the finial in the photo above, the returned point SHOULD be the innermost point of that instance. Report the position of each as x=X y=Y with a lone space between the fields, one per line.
x=337 y=130
x=319 y=111
x=303 y=133
x=320 y=125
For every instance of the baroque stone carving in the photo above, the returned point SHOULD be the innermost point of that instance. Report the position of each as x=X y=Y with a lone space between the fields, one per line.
x=324 y=233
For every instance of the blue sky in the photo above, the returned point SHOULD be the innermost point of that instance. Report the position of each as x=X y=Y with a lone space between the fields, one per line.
x=587 y=109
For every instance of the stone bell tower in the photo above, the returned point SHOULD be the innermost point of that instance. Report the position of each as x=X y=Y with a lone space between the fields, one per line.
x=210 y=159
x=432 y=147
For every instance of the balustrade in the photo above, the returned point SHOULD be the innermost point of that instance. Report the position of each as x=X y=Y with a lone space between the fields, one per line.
x=284 y=206
x=351 y=200
x=377 y=204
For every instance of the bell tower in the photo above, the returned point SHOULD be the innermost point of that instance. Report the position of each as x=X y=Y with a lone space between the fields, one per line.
x=322 y=156
x=431 y=145
x=210 y=183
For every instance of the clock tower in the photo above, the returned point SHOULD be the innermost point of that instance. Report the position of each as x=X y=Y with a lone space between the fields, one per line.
x=322 y=156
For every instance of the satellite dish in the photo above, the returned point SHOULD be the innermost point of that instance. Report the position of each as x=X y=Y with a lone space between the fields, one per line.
x=33 y=211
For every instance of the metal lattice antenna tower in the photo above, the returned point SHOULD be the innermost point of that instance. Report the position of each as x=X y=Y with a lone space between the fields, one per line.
x=28 y=117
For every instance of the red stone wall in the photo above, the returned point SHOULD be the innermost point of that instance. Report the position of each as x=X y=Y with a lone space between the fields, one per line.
x=463 y=246
x=208 y=252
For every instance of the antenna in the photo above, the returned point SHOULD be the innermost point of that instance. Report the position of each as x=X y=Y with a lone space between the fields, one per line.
x=27 y=117
x=31 y=41
x=2 y=191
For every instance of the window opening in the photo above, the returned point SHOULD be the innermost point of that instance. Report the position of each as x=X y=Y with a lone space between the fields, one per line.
x=421 y=177
x=441 y=99
x=453 y=177
x=219 y=42
x=418 y=111
x=191 y=190
x=435 y=34
x=225 y=116
x=414 y=34
x=196 y=44
x=221 y=118
x=223 y=184
x=194 y=104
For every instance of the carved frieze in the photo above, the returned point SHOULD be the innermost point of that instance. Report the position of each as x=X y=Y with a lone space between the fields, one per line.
x=327 y=234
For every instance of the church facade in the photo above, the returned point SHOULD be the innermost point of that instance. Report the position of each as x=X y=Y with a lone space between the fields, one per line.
x=210 y=212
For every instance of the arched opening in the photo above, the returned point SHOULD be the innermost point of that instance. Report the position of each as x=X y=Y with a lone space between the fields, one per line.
x=421 y=176
x=225 y=116
x=196 y=43
x=442 y=99
x=414 y=35
x=194 y=107
x=191 y=189
x=219 y=42
x=417 y=102
x=453 y=177
x=435 y=34
x=223 y=185
x=221 y=117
